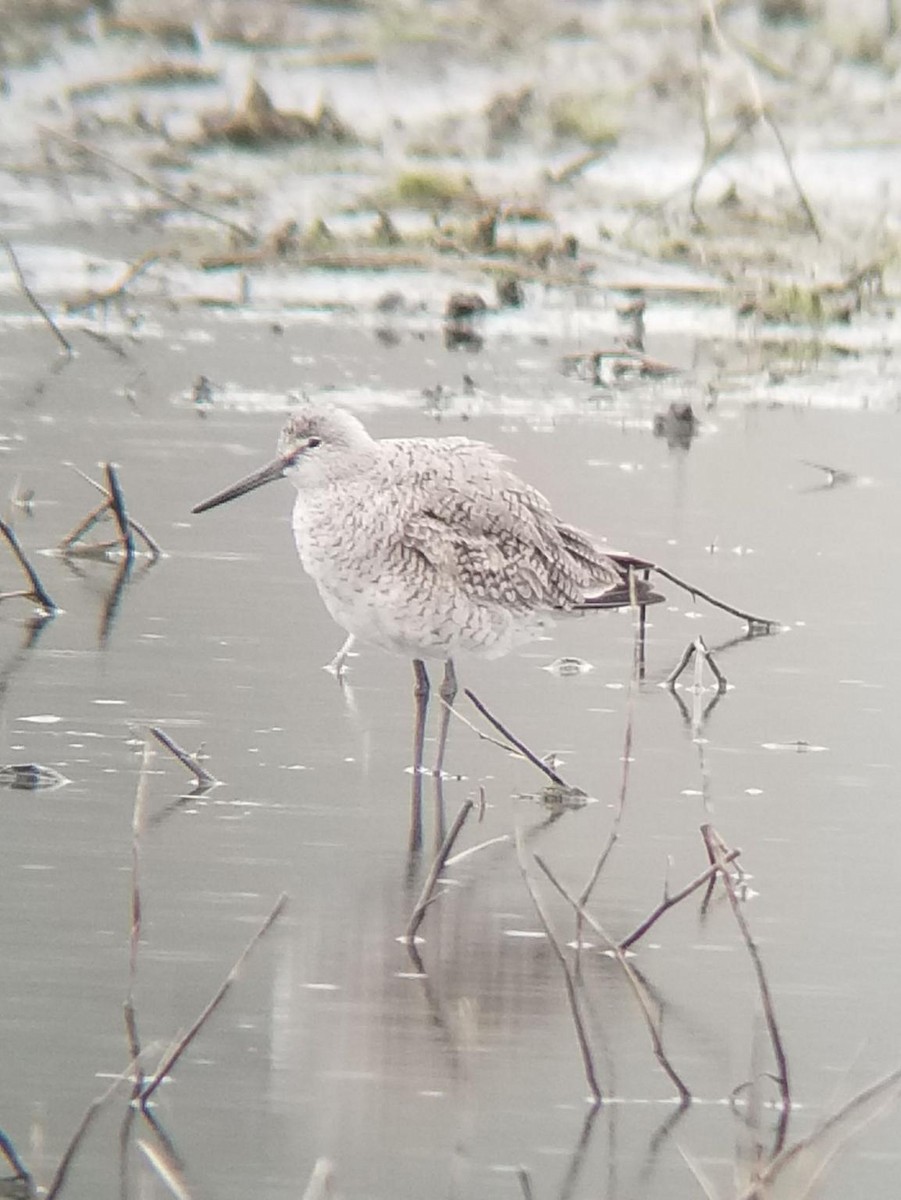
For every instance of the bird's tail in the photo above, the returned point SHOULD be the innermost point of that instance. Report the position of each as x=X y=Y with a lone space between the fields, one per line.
x=631 y=590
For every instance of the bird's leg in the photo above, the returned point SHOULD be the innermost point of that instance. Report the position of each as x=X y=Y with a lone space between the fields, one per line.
x=337 y=666
x=448 y=694
x=421 y=698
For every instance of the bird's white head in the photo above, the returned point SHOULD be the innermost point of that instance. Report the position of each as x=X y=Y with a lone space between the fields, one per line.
x=318 y=445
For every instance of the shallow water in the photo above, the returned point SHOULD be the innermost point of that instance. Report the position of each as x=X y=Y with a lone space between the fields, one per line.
x=445 y=1070
x=332 y=1042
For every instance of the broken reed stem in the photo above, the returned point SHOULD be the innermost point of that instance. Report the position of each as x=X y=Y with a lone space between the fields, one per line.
x=152 y=544
x=117 y=503
x=717 y=850
x=65 y=344
x=516 y=743
x=634 y=982
x=174 y=1054
x=62 y=1170
x=83 y=527
x=697 y=647
x=38 y=591
x=669 y=902
x=571 y=986
x=203 y=777
x=425 y=897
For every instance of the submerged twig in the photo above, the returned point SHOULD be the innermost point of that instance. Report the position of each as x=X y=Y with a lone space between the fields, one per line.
x=37 y=592
x=32 y=299
x=171 y=1057
x=632 y=979
x=425 y=896
x=571 y=985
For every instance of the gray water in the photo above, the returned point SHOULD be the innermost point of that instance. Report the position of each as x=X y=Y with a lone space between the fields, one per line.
x=333 y=1043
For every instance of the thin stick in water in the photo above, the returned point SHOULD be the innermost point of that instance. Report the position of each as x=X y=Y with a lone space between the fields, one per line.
x=38 y=591
x=633 y=980
x=11 y=1155
x=425 y=897
x=152 y=544
x=117 y=503
x=75 y=1141
x=137 y=829
x=514 y=741
x=32 y=299
x=571 y=987
x=718 y=850
x=669 y=901
x=171 y=1057
x=201 y=774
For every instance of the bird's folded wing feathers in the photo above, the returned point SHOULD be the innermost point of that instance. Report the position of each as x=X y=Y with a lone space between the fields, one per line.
x=506 y=546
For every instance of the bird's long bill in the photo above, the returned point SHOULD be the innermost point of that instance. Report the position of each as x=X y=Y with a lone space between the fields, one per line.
x=273 y=470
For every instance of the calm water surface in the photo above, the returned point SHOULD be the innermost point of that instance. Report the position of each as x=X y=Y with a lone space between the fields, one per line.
x=333 y=1042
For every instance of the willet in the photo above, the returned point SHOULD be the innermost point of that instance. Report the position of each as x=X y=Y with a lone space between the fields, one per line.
x=431 y=547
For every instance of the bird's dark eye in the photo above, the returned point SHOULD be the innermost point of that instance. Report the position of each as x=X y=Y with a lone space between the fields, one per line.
x=313 y=442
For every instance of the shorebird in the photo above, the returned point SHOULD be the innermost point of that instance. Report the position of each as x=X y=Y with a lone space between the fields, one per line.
x=431 y=547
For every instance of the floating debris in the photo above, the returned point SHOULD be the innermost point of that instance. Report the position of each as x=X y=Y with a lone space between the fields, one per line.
x=30 y=777
x=569 y=666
